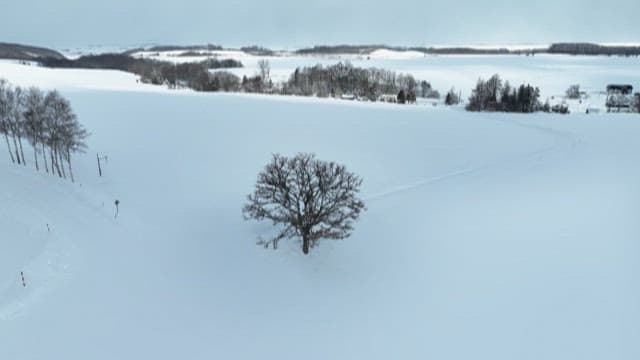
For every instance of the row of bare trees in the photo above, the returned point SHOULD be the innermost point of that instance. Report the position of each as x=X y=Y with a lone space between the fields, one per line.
x=344 y=78
x=46 y=121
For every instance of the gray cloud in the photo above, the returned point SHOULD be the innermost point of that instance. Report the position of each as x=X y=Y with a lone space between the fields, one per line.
x=287 y=23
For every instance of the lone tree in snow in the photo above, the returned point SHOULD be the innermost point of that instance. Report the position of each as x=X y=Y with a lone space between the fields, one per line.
x=311 y=199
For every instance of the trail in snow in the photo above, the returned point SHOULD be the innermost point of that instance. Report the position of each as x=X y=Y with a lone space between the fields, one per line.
x=460 y=173
x=565 y=141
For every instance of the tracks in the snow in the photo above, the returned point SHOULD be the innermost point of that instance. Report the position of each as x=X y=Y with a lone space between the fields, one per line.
x=562 y=138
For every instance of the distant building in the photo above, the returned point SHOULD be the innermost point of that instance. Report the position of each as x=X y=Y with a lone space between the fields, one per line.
x=620 y=98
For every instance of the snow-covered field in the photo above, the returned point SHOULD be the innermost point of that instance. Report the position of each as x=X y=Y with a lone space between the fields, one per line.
x=553 y=74
x=487 y=236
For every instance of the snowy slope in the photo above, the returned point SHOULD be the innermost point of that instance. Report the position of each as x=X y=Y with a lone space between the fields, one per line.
x=76 y=79
x=487 y=236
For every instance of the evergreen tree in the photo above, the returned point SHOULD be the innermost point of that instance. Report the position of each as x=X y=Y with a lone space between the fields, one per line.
x=402 y=98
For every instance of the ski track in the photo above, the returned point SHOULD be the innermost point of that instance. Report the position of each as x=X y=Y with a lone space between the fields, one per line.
x=563 y=139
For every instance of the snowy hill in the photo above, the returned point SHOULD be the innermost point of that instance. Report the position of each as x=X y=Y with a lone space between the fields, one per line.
x=26 y=52
x=487 y=236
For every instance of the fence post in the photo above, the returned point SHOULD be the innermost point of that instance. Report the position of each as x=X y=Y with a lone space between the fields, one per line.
x=99 y=168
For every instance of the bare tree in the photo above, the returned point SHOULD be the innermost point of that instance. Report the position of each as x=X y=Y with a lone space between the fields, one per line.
x=425 y=88
x=311 y=199
x=55 y=104
x=34 y=115
x=265 y=72
x=15 y=100
x=19 y=119
x=73 y=136
x=573 y=92
x=4 y=115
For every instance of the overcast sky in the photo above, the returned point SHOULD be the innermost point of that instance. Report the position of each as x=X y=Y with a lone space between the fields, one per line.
x=290 y=23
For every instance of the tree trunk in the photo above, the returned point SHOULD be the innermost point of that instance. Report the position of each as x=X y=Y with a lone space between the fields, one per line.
x=64 y=174
x=69 y=162
x=44 y=157
x=35 y=155
x=53 y=171
x=24 y=162
x=305 y=244
x=54 y=160
x=15 y=147
x=9 y=148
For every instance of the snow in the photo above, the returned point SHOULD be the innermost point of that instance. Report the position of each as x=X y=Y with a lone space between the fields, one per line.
x=72 y=79
x=628 y=43
x=76 y=52
x=487 y=236
x=178 y=56
x=395 y=55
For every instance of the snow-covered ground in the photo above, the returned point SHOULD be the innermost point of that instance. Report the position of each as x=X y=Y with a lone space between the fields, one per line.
x=72 y=79
x=487 y=236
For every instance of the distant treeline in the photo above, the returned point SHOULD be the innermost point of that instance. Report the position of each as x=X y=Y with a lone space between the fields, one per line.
x=342 y=49
x=258 y=50
x=560 y=48
x=192 y=75
x=160 y=48
x=126 y=62
x=368 y=49
x=210 y=47
x=466 y=51
x=593 y=49
x=29 y=53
